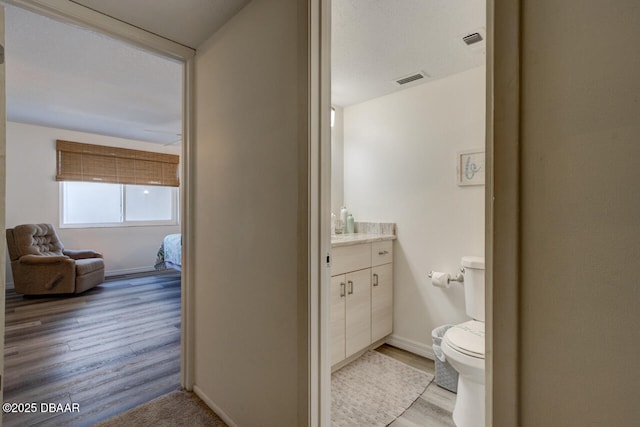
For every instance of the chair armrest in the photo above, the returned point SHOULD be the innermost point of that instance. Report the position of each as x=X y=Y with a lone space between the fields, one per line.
x=39 y=259
x=40 y=274
x=82 y=254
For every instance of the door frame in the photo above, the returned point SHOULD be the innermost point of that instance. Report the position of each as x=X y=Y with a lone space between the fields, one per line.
x=502 y=215
x=3 y=198
x=319 y=181
x=502 y=220
x=79 y=15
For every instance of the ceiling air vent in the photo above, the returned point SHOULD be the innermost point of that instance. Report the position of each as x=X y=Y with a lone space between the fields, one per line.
x=411 y=78
x=472 y=38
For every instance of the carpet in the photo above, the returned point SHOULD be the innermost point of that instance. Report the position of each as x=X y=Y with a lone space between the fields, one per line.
x=374 y=390
x=178 y=408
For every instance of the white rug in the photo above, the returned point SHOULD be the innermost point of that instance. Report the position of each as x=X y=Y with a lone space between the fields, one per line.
x=374 y=390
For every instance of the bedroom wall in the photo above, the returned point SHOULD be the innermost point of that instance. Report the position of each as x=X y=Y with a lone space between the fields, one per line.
x=33 y=197
x=400 y=166
x=251 y=111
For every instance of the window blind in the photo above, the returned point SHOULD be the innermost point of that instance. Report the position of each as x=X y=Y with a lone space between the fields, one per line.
x=76 y=161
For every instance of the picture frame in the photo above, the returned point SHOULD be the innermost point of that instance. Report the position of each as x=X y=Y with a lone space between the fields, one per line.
x=470 y=169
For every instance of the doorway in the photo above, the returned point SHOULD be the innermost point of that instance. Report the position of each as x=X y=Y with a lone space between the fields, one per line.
x=167 y=50
x=371 y=154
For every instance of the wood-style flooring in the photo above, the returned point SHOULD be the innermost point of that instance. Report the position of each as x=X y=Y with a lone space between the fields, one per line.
x=109 y=349
x=117 y=346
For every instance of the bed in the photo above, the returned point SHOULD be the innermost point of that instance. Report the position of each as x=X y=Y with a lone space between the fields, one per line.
x=170 y=253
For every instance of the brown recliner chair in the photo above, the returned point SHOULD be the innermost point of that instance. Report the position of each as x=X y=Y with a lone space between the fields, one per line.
x=41 y=265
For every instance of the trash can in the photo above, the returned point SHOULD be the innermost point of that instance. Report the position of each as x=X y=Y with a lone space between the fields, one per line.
x=446 y=376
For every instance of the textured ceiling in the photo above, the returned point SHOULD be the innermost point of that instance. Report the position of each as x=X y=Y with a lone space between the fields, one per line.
x=62 y=76
x=189 y=22
x=377 y=41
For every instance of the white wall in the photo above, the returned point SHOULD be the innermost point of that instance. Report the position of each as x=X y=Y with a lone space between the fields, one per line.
x=251 y=111
x=400 y=166
x=337 y=161
x=33 y=197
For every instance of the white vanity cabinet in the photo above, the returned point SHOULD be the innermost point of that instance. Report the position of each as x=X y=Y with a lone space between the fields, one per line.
x=361 y=297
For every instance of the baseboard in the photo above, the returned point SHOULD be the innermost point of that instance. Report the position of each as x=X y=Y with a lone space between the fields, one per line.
x=125 y=271
x=215 y=408
x=412 y=346
x=356 y=355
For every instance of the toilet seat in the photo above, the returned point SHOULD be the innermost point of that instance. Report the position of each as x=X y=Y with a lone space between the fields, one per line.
x=467 y=338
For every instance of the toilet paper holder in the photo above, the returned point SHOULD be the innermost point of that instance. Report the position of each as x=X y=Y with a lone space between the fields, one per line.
x=458 y=278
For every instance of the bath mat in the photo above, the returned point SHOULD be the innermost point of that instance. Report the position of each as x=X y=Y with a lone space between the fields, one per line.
x=374 y=390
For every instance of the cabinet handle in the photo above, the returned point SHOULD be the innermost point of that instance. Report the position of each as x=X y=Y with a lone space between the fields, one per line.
x=342 y=289
x=375 y=279
x=383 y=252
x=350 y=282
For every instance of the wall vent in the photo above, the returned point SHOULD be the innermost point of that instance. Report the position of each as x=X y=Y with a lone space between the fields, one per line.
x=472 y=38
x=411 y=78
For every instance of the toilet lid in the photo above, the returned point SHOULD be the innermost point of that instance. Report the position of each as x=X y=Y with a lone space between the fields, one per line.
x=467 y=338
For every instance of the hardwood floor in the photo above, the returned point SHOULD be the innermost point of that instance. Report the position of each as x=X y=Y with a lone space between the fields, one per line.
x=108 y=350
x=118 y=346
x=406 y=357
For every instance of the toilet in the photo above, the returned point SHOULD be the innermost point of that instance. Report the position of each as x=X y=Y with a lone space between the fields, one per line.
x=463 y=348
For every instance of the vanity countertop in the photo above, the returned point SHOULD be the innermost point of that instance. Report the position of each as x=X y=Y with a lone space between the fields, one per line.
x=356 y=238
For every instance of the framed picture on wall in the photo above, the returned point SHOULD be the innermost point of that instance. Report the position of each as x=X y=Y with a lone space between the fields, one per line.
x=470 y=168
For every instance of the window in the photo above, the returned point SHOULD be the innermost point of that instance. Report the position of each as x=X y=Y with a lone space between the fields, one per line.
x=89 y=204
x=148 y=203
x=104 y=186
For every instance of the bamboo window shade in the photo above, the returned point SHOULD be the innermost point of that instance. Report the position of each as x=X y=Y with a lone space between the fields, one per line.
x=76 y=161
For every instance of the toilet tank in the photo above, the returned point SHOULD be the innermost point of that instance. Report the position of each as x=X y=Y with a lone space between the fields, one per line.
x=474 y=286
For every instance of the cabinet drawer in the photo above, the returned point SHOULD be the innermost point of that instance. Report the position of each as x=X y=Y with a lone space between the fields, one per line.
x=381 y=252
x=350 y=258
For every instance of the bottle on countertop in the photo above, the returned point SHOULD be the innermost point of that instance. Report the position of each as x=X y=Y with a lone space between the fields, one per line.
x=350 y=224
x=333 y=223
x=343 y=217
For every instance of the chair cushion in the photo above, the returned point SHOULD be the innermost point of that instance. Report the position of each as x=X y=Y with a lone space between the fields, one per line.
x=88 y=265
x=36 y=239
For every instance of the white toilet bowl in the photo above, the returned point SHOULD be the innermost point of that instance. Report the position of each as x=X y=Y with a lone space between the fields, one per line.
x=463 y=347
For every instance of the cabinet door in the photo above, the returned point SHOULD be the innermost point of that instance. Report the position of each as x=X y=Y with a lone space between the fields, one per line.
x=358 y=313
x=381 y=301
x=338 y=299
